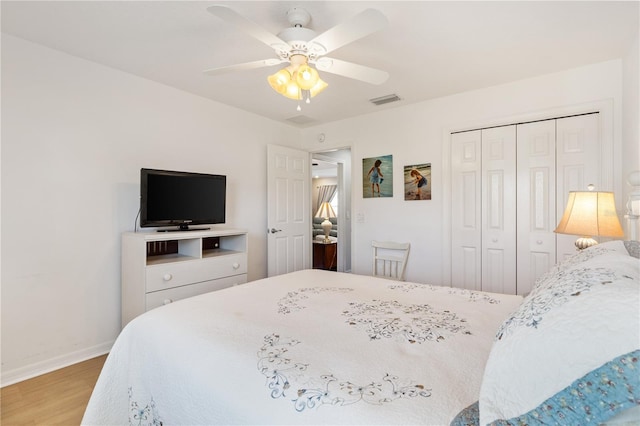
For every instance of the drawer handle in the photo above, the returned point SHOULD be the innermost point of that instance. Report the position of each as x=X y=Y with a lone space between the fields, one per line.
x=235 y=265
x=539 y=242
x=167 y=277
x=167 y=301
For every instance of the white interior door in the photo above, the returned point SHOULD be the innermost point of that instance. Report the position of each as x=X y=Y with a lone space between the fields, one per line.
x=466 y=203
x=536 y=201
x=288 y=210
x=498 y=209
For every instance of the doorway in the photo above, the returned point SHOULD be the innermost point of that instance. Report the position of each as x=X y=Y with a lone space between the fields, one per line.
x=334 y=168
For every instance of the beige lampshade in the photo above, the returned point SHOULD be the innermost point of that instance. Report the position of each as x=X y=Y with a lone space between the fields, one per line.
x=325 y=211
x=590 y=213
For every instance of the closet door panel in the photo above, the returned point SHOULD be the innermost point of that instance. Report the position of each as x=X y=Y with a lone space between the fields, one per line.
x=466 y=243
x=536 y=202
x=498 y=207
x=578 y=165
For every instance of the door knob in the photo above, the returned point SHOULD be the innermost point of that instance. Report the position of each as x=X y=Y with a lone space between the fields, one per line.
x=274 y=230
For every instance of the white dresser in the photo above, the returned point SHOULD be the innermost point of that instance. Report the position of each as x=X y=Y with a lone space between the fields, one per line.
x=162 y=267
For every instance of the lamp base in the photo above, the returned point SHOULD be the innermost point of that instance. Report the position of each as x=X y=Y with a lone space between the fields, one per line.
x=326 y=227
x=585 y=242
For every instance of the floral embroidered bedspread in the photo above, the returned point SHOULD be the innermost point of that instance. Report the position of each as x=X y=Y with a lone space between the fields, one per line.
x=310 y=347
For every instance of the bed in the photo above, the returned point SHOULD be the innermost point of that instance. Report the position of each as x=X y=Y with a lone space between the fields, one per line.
x=320 y=347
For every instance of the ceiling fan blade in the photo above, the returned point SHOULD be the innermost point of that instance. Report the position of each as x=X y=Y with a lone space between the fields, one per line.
x=366 y=22
x=249 y=27
x=351 y=70
x=243 y=67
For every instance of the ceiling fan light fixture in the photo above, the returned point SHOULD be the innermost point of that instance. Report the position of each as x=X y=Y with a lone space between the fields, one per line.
x=279 y=80
x=297 y=81
x=306 y=77
x=292 y=90
x=318 y=87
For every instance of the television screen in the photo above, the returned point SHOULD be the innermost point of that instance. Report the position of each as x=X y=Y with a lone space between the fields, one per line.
x=181 y=198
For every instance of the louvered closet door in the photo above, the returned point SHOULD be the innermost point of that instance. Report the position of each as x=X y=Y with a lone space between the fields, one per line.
x=466 y=232
x=536 y=208
x=498 y=208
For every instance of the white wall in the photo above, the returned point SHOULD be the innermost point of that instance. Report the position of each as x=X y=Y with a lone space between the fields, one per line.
x=419 y=134
x=74 y=137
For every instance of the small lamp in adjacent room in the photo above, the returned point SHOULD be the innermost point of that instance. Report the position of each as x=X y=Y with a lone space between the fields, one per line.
x=590 y=214
x=326 y=211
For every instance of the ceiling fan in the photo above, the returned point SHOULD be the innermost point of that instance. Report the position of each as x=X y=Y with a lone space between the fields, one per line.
x=301 y=47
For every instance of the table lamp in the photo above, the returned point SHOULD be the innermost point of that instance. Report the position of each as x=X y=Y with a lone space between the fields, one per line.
x=326 y=211
x=590 y=214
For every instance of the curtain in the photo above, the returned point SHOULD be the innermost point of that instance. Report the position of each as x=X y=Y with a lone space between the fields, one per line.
x=325 y=194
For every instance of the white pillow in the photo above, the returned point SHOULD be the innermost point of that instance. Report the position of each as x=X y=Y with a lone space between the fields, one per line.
x=581 y=256
x=570 y=354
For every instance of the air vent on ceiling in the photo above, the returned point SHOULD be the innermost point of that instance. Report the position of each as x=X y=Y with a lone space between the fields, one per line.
x=385 y=99
x=301 y=119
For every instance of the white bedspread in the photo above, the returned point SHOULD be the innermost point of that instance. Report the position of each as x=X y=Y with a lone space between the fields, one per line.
x=311 y=347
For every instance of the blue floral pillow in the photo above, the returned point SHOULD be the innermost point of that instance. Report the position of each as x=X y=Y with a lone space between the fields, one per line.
x=470 y=416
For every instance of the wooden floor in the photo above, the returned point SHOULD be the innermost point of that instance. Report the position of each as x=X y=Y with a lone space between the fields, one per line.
x=56 y=398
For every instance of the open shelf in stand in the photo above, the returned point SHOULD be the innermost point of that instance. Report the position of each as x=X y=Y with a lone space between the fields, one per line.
x=218 y=252
x=168 y=258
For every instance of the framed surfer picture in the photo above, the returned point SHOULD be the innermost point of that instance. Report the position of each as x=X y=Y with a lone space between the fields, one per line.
x=377 y=177
x=417 y=182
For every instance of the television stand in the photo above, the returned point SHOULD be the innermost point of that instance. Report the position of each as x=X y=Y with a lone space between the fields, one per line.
x=159 y=268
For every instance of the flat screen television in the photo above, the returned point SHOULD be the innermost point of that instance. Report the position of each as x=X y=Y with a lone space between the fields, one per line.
x=172 y=198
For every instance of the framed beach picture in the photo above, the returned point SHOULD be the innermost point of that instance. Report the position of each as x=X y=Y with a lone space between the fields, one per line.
x=377 y=177
x=417 y=182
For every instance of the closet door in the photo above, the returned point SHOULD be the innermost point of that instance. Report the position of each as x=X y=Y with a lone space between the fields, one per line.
x=536 y=201
x=577 y=166
x=466 y=186
x=510 y=185
x=498 y=210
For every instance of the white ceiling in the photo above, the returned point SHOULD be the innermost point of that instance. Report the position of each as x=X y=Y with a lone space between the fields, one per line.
x=430 y=48
x=323 y=169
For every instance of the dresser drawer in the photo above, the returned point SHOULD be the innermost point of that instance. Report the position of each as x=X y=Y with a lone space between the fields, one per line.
x=177 y=274
x=163 y=297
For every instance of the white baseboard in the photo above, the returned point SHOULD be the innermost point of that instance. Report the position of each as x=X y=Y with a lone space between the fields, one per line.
x=29 y=371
